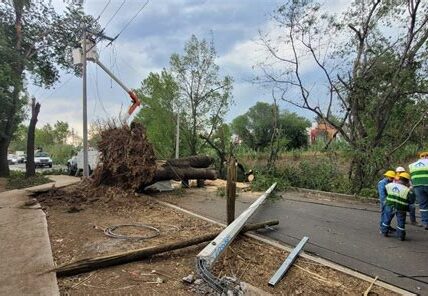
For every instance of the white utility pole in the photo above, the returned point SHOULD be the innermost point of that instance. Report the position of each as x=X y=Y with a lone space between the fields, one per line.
x=177 y=136
x=85 y=111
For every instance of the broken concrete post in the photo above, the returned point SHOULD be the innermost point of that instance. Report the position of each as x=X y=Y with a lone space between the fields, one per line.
x=206 y=258
x=90 y=264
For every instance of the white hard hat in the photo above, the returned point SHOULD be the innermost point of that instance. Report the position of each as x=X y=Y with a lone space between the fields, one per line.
x=400 y=169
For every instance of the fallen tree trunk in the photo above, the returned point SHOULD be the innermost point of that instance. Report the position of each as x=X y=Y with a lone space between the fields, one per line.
x=89 y=264
x=178 y=174
x=127 y=160
x=196 y=161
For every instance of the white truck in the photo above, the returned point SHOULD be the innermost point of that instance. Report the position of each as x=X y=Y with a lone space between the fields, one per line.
x=75 y=164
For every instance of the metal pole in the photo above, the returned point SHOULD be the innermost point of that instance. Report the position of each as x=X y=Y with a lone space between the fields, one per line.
x=109 y=73
x=177 y=137
x=279 y=274
x=212 y=252
x=85 y=112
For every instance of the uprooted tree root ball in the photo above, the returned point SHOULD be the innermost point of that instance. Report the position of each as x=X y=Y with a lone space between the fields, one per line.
x=127 y=158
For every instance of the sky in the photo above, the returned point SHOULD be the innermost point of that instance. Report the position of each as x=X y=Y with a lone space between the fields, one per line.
x=161 y=29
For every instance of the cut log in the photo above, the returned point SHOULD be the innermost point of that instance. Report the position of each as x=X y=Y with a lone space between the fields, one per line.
x=89 y=264
x=178 y=174
x=197 y=161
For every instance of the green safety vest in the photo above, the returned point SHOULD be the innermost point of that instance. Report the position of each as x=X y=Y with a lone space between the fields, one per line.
x=397 y=196
x=419 y=172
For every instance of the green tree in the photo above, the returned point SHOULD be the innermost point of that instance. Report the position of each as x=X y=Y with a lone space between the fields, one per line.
x=35 y=43
x=158 y=93
x=45 y=137
x=19 y=140
x=204 y=97
x=61 y=132
x=375 y=82
x=256 y=128
x=293 y=128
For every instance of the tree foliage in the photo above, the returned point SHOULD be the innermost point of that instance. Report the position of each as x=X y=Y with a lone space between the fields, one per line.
x=49 y=138
x=158 y=94
x=372 y=73
x=256 y=127
x=35 y=43
x=201 y=90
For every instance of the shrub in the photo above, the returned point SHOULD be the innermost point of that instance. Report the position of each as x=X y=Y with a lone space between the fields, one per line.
x=263 y=180
x=17 y=180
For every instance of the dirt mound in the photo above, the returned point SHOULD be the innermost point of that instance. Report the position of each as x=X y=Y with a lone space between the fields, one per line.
x=127 y=159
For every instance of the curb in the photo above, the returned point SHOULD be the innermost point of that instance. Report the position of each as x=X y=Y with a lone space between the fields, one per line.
x=334 y=194
x=284 y=247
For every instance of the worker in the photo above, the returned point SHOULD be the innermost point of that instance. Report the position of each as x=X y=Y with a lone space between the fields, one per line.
x=412 y=206
x=381 y=190
x=419 y=173
x=397 y=204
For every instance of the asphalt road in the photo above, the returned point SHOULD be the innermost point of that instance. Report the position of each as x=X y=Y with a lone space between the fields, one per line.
x=21 y=167
x=341 y=232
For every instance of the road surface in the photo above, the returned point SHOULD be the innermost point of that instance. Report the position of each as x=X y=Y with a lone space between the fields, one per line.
x=343 y=232
x=21 y=167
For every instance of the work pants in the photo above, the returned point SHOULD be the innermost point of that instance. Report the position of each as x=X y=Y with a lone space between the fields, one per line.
x=422 y=198
x=388 y=214
x=412 y=213
x=382 y=208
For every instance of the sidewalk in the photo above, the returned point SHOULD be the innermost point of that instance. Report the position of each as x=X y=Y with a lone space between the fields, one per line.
x=25 y=250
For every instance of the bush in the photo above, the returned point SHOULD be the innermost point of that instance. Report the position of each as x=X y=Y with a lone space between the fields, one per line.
x=17 y=180
x=368 y=192
x=318 y=174
x=263 y=180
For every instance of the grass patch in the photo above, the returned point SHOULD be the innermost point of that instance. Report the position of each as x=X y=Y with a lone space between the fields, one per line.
x=17 y=180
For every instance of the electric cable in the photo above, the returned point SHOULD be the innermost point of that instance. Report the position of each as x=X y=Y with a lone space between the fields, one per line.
x=114 y=14
x=98 y=93
x=130 y=21
x=56 y=89
x=109 y=231
x=102 y=11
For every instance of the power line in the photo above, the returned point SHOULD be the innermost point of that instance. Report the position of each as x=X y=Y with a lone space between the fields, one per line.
x=114 y=14
x=98 y=94
x=59 y=87
x=130 y=21
x=102 y=11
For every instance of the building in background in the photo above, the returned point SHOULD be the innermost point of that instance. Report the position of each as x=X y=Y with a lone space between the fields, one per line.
x=321 y=131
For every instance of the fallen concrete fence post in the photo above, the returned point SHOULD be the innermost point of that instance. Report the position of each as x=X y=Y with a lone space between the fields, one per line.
x=279 y=274
x=89 y=264
x=209 y=255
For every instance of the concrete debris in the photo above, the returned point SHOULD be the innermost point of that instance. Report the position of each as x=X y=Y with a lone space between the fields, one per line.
x=198 y=281
x=189 y=279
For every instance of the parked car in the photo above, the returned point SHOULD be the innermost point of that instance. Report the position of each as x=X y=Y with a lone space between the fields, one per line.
x=42 y=159
x=20 y=155
x=72 y=166
x=93 y=159
x=12 y=159
x=22 y=158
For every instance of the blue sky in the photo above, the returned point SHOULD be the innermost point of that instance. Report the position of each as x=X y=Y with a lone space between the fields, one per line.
x=161 y=29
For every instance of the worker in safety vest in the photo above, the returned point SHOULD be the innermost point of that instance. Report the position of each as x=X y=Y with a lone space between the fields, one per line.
x=397 y=204
x=419 y=173
x=412 y=206
x=381 y=190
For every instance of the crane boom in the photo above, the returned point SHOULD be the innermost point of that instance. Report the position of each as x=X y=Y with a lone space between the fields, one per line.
x=135 y=101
